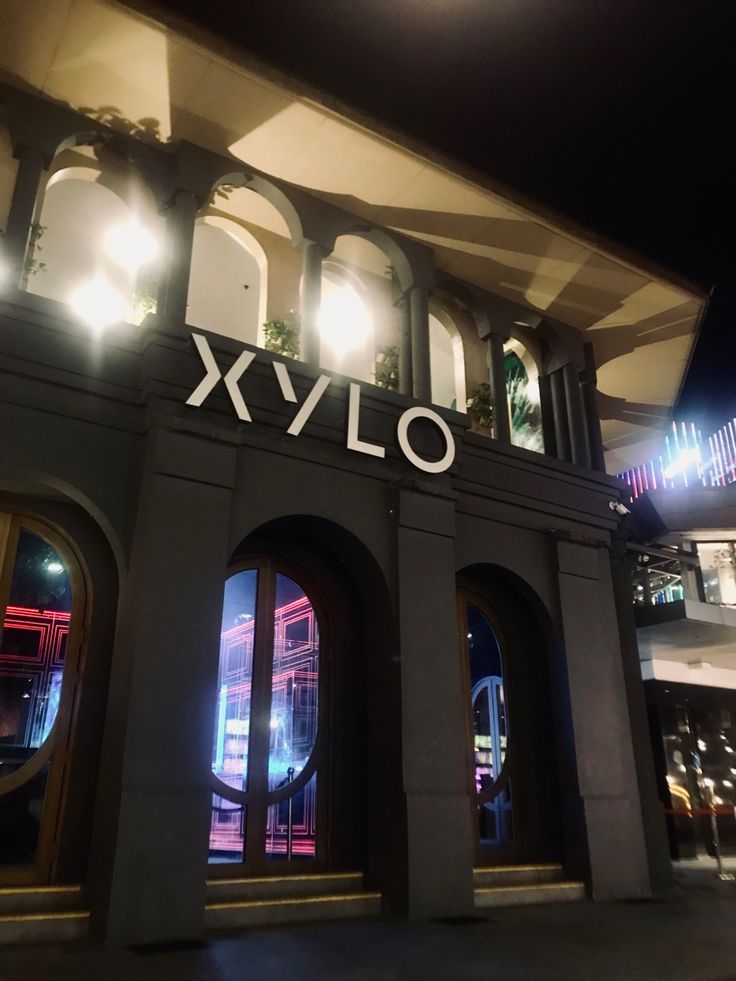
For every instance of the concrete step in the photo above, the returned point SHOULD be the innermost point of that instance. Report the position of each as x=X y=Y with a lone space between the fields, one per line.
x=40 y=899
x=527 y=895
x=25 y=928
x=516 y=875
x=295 y=909
x=255 y=888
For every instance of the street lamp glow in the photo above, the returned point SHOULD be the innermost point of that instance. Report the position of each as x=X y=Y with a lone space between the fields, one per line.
x=343 y=320
x=131 y=245
x=98 y=304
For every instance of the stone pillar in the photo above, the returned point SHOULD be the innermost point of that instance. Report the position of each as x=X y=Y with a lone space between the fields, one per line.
x=181 y=213
x=310 y=292
x=576 y=416
x=559 y=415
x=31 y=165
x=405 y=366
x=655 y=828
x=420 y=367
x=602 y=725
x=501 y=420
x=588 y=384
x=434 y=711
x=548 y=416
x=163 y=691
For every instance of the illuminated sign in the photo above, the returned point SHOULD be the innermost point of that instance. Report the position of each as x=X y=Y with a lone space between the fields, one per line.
x=232 y=377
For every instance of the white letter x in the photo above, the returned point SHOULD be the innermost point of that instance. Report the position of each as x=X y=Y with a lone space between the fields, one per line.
x=231 y=378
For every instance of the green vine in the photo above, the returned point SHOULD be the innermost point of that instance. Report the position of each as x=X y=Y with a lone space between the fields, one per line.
x=281 y=336
x=386 y=368
x=31 y=265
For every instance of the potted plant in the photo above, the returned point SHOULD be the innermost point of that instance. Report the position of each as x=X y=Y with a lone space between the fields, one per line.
x=480 y=409
x=281 y=336
x=386 y=368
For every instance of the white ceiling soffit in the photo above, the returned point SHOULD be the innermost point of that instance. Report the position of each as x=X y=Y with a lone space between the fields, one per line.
x=134 y=73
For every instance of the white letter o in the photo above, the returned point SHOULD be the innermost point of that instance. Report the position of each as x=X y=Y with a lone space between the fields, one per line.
x=402 y=434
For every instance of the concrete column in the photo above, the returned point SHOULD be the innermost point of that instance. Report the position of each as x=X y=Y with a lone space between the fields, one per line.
x=180 y=217
x=559 y=415
x=576 y=416
x=310 y=292
x=501 y=420
x=420 y=369
x=163 y=692
x=405 y=367
x=548 y=416
x=653 y=818
x=436 y=779
x=602 y=725
x=588 y=385
x=31 y=165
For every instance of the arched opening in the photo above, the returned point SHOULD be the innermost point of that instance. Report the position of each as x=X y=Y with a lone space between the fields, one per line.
x=244 y=276
x=227 y=282
x=522 y=391
x=447 y=362
x=43 y=607
x=512 y=762
x=96 y=243
x=358 y=323
x=294 y=780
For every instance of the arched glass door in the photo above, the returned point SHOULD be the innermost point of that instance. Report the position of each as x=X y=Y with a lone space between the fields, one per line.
x=267 y=748
x=489 y=728
x=41 y=608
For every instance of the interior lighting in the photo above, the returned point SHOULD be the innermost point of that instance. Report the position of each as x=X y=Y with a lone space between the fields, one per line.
x=684 y=459
x=344 y=322
x=54 y=567
x=131 y=245
x=98 y=304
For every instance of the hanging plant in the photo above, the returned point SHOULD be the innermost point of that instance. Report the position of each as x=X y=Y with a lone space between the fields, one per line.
x=144 y=299
x=31 y=265
x=480 y=406
x=386 y=368
x=281 y=336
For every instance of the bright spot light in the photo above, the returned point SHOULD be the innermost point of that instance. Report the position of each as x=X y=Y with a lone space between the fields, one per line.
x=131 y=245
x=532 y=390
x=685 y=458
x=274 y=723
x=55 y=567
x=343 y=320
x=98 y=304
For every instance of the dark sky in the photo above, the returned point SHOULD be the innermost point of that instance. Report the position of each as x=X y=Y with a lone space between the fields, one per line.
x=615 y=112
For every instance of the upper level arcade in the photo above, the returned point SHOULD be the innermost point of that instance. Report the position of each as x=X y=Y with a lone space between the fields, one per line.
x=145 y=180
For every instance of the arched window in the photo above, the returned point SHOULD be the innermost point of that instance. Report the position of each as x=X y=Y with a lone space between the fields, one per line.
x=41 y=609
x=97 y=242
x=359 y=323
x=522 y=391
x=266 y=746
x=447 y=365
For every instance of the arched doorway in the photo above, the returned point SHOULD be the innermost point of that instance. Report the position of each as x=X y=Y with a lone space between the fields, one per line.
x=42 y=612
x=269 y=746
x=512 y=764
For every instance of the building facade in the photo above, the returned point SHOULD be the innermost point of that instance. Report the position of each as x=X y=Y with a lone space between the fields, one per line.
x=273 y=602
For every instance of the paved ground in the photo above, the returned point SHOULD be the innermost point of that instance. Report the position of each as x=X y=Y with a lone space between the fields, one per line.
x=691 y=936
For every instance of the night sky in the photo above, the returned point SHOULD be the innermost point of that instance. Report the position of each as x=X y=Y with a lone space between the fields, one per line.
x=614 y=112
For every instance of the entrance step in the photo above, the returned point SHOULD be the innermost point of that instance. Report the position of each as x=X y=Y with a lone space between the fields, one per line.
x=260 y=901
x=524 y=885
x=42 y=914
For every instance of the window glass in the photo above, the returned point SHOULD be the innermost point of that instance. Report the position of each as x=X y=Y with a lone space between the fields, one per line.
x=232 y=717
x=718 y=566
x=32 y=648
x=490 y=727
x=524 y=406
x=294 y=685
